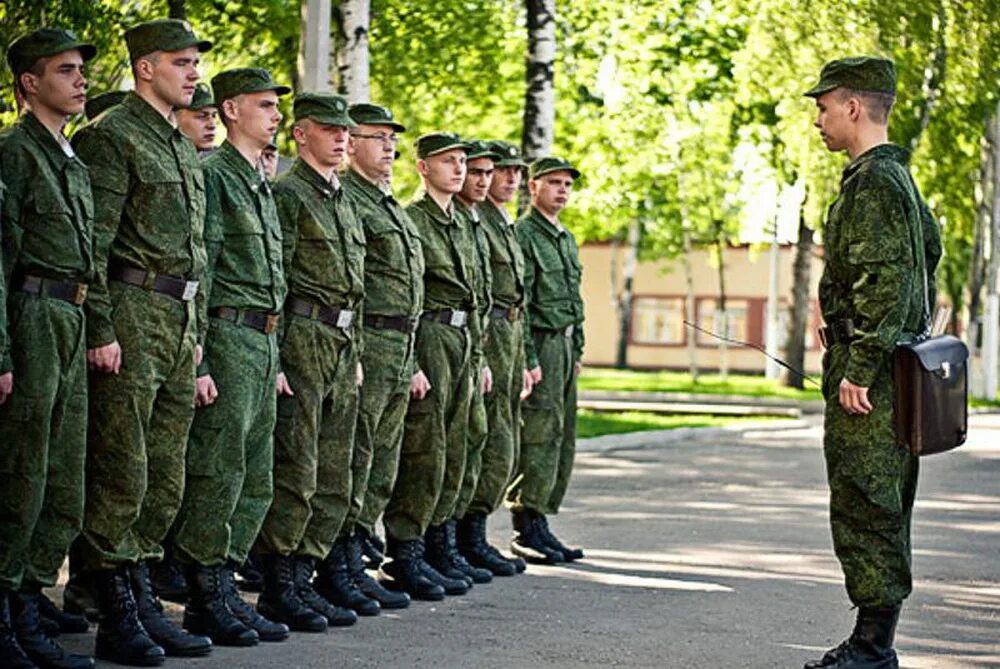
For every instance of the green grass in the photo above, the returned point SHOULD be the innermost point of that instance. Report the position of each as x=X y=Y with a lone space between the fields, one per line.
x=596 y=424
x=680 y=382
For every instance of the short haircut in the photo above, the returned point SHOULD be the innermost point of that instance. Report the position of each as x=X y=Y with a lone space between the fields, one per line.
x=878 y=105
x=153 y=57
x=37 y=68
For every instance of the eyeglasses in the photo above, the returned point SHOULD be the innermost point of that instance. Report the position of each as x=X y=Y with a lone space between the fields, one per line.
x=391 y=140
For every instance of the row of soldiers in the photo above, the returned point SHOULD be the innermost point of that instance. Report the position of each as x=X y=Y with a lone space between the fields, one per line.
x=272 y=368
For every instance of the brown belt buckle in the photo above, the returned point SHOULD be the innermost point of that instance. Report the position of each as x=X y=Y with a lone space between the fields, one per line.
x=271 y=324
x=81 y=294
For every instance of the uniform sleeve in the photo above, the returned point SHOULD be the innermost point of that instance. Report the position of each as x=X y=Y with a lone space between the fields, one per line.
x=288 y=207
x=213 y=247
x=880 y=251
x=109 y=178
x=530 y=355
x=578 y=329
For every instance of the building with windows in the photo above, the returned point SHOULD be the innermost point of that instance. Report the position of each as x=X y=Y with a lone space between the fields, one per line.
x=657 y=336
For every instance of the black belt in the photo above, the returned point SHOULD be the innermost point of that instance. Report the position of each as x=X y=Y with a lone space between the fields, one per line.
x=564 y=332
x=453 y=317
x=258 y=320
x=176 y=287
x=399 y=323
x=332 y=316
x=837 y=332
x=74 y=293
x=511 y=314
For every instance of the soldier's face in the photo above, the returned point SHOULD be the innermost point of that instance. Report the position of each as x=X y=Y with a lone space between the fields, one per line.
x=373 y=150
x=199 y=126
x=478 y=177
x=444 y=171
x=834 y=119
x=327 y=144
x=173 y=75
x=269 y=159
x=550 y=192
x=255 y=115
x=506 y=181
x=62 y=86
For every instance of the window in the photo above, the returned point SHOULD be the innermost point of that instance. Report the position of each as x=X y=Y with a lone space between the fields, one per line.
x=658 y=320
x=710 y=318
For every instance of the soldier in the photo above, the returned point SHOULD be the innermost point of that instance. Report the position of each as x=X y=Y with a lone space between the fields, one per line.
x=198 y=120
x=98 y=103
x=394 y=268
x=230 y=449
x=432 y=458
x=47 y=225
x=269 y=159
x=142 y=327
x=323 y=249
x=882 y=247
x=553 y=350
x=504 y=350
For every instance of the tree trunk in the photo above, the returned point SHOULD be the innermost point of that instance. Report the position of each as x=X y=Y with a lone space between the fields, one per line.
x=689 y=307
x=977 y=266
x=625 y=296
x=353 y=20
x=934 y=75
x=177 y=9
x=314 y=47
x=795 y=349
x=991 y=316
x=539 y=94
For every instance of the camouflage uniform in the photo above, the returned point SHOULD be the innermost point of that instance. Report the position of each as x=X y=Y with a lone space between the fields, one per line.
x=228 y=486
x=47 y=215
x=149 y=199
x=554 y=318
x=323 y=249
x=879 y=240
x=394 y=287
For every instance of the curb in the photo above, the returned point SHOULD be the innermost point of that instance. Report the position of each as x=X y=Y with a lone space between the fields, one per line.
x=658 y=438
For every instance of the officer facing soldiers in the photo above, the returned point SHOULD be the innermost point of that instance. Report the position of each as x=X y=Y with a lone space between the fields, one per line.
x=553 y=349
x=47 y=225
x=432 y=458
x=149 y=254
x=394 y=289
x=882 y=247
x=198 y=120
x=323 y=249
x=504 y=351
x=230 y=449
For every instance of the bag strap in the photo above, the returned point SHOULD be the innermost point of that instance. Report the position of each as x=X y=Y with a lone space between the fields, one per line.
x=920 y=253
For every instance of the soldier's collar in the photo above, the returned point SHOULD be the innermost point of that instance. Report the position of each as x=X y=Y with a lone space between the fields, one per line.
x=314 y=178
x=431 y=206
x=250 y=174
x=41 y=134
x=553 y=230
x=892 y=152
x=148 y=115
x=371 y=190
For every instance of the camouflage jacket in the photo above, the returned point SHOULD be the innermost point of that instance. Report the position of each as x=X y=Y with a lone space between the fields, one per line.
x=482 y=269
x=506 y=257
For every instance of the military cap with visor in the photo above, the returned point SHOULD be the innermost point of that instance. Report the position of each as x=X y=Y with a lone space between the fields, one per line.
x=239 y=81
x=550 y=164
x=202 y=98
x=510 y=155
x=481 y=149
x=324 y=108
x=434 y=143
x=365 y=113
x=25 y=51
x=162 y=35
x=102 y=101
x=859 y=73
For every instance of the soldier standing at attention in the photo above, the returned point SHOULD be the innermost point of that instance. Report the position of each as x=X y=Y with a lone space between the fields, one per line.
x=882 y=245
x=323 y=247
x=230 y=453
x=504 y=350
x=142 y=326
x=553 y=348
x=47 y=226
x=198 y=120
x=432 y=457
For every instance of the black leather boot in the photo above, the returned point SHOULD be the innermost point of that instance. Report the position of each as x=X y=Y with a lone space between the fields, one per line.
x=477 y=551
x=35 y=643
x=869 y=646
x=250 y=577
x=569 y=554
x=372 y=548
x=79 y=596
x=528 y=543
x=371 y=588
x=12 y=656
x=477 y=574
x=167 y=577
x=437 y=556
x=174 y=640
x=57 y=622
x=336 y=616
x=267 y=630
x=333 y=582
x=403 y=573
x=207 y=613
x=121 y=638
x=280 y=602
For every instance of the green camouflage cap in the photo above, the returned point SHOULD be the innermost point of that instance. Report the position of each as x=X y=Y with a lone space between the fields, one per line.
x=510 y=155
x=162 y=35
x=549 y=164
x=24 y=51
x=230 y=83
x=860 y=73
x=98 y=103
x=369 y=114
x=202 y=98
x=434 y=143
x=481 y=149
x=324 y=108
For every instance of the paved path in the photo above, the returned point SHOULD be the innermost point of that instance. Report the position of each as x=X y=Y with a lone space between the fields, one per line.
x=704 y=549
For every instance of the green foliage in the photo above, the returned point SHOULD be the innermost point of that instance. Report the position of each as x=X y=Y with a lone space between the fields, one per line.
x=601 y=379
x=597 y=424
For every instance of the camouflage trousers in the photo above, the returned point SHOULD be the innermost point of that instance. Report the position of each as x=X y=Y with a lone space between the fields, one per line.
x=313 y=440
x=139 y=422
x=43 y=439
x=548 y=432
x=873 y=484
x=385 y=395
x=505 y=354
x=432 y=457
x=228 y=486
x=476 y=442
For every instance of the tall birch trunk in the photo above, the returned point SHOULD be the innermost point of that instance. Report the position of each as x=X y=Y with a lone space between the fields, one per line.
x=353 y=21
x=539 y=94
